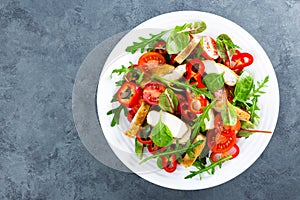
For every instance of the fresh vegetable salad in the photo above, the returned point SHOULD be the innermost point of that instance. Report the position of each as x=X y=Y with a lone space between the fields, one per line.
x=188 y=98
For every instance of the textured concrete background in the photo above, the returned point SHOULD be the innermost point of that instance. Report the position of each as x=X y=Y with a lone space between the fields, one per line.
x=43 y=43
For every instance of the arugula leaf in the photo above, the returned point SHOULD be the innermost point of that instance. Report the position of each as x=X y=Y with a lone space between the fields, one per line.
x=228 y=114
x=177 y=41
x=254 y=117
x=258 y=91
x=210 y=169
x=199 y=122
x=176 y=151
x=123 y=69
x=139 y=147
x=116 y=112
x=168 y=101
x=185 y=85
x=161 y=134
x=224 y=44
x=243 y=87
x=144 y=42
x=214 y=81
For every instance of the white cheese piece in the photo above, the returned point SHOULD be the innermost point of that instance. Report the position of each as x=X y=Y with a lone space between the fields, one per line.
x=177 y=127
x=230 y=77
x=177 y=73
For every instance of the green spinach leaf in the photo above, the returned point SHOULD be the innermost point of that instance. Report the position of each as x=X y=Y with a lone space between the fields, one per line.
x=161 y=134
x=177 y=42
x=243 y=87
x=214 y=81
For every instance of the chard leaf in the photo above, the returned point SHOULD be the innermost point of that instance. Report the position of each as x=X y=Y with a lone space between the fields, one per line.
x=139 y=147
x=168 y=101
x=228 y=114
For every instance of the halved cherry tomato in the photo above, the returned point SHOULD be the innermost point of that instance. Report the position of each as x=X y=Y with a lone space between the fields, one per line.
x=169 y=164
x=152 y=91
x=187 y=114
x=129 y=94
x=150 y=60
x=234 y=151
x=218 y=142
x=209 y=49
x=196 y=102
x=143 y=139
x=223 y=129
x=160 y=47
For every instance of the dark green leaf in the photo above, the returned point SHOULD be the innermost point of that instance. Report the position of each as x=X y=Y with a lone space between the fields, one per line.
x=214 y=81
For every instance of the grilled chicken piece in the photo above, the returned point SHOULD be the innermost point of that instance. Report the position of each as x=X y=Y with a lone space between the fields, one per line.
x=160 y=70
x=242 y=115
x=138 y=120
x=187 y=50
x=188 y=161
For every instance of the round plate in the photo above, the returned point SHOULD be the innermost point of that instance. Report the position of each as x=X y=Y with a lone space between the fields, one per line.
x=250 y=149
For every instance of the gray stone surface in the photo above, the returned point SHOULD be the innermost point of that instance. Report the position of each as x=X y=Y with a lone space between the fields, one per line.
x=42 y=45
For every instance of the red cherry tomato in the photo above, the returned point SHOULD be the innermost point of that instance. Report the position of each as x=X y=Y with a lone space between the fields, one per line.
x=172 y=59
x=150 y=60
x=209 y=49
x=186 y=113
x=160 y=47
x=196 y=102
x=234 y=151
x=152 y=91
x=218 y=142
x=223 y=129
x=170 y=164
x=129 y=94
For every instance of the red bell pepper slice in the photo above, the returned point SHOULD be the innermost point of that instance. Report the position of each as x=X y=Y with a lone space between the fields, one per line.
x=169 y=164
x=241 y=60
x=129 y=94
x=194 y=71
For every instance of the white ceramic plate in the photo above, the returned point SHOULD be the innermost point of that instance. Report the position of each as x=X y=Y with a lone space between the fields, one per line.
x=250 y=149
